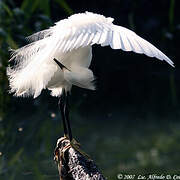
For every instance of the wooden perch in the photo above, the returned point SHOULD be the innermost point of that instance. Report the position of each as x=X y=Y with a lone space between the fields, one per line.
x=73 y=163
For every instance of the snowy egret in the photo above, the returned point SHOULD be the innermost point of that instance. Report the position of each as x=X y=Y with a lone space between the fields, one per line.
x=59 y=57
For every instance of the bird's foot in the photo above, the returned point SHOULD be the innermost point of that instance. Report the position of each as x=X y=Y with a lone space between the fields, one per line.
x=63 y=144
x=58 y=150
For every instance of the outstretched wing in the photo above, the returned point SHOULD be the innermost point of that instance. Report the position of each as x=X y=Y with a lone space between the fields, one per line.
x=86 y=29
x=34 y=65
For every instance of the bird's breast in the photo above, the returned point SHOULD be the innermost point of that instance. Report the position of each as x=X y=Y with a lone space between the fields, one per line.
x=74 y=59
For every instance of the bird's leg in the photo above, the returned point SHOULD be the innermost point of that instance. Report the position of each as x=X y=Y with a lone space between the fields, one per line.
x=73 y=143
x=61 y=105
x=66 y=112
x=64 y=107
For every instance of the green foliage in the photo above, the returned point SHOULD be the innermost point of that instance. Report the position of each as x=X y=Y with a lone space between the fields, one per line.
x=65 y=6
x=17 y=22
x=27 y=137
x=171 y=14
x=14 y=26
x=174 y=98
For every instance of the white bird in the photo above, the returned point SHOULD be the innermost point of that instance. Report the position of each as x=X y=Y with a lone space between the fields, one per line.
x=60 y=56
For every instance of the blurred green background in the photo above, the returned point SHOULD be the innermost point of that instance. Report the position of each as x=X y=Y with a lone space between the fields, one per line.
x=129 y=125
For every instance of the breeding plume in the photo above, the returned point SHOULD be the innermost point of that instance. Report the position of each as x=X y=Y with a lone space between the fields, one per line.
x=59 y=57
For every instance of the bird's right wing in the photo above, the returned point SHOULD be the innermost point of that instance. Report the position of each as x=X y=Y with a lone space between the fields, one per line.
x=87 y=29
x=39 y=35
x=127 y=40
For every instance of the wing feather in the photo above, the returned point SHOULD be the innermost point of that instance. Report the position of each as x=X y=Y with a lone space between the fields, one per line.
x=39 y=35
x=34 y=65
x=96 y=38
x=96 y=29
x=78 y=40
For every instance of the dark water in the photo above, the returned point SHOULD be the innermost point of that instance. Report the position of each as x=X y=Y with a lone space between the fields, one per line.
x=119 y=139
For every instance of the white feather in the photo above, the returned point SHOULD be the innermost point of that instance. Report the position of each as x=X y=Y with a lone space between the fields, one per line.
x=70 y=41
x=39 y=35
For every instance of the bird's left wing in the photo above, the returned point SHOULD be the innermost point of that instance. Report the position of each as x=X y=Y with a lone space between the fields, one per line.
x=85 y=29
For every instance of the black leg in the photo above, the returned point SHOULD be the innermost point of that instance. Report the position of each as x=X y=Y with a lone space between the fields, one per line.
x=64 y=108
x=66 y=112
x=61 y=105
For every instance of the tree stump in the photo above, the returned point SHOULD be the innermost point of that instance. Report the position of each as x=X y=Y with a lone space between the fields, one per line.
x=74 y=164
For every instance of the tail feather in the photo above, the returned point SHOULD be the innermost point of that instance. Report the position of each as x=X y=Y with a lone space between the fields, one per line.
x=81 y=77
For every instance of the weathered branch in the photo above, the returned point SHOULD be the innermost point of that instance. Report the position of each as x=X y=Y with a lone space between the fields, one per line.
x=73 y=164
